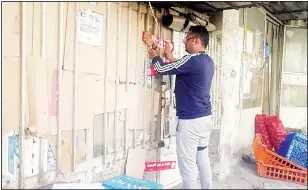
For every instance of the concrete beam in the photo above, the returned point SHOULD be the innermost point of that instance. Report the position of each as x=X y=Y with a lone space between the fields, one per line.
x=230 y=87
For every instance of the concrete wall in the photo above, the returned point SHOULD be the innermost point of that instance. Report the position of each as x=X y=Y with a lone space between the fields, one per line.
x=242 y=83
x=230 y=85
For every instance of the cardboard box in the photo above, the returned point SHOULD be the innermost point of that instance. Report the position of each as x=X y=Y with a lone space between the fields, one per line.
x=52 y=30
x=87 y=101
x=11 y=102
x=136 y=110
x=67 y=149
x=38 y=94
x=11 y=29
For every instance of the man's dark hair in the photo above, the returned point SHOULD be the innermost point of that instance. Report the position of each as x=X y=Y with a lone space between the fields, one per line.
x=201 y=32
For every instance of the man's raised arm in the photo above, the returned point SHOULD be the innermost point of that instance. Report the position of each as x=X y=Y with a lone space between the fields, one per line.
x=181 y=66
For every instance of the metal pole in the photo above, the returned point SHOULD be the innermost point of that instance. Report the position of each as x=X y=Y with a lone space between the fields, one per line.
x=137 y=56
x=145 y=89
x=60 y=63
x=23 y=96
x=268 y=66
x=161 y=111
x=282 y=58
x=162 y=90
x=270 y=69
x=127 y=63
x=76 y=75
x=137 y=44
x=43 y=54
x=152 y=136
x=117 y=80
x=105 y=84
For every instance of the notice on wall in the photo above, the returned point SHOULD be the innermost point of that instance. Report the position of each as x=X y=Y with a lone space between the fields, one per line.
x=158 y=166
x=13 y=154
x=89 y=27
x=247 y=82
x=249 y=42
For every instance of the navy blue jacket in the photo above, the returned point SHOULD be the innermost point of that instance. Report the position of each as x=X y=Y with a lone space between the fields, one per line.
x=194 y=74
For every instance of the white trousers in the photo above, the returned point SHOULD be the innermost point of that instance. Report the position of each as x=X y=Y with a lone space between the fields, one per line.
x=191 y=136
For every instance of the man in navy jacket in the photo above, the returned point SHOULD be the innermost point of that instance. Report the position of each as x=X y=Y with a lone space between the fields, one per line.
x=194 y=73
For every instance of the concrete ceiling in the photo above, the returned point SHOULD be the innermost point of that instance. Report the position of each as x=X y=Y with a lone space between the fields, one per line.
x=284 y=11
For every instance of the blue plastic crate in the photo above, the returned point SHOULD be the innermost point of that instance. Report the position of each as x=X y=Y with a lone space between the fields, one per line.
x=127 y=182
x=294 y=148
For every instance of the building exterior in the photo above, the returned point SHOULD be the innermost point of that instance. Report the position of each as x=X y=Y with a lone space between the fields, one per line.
x=74 y=77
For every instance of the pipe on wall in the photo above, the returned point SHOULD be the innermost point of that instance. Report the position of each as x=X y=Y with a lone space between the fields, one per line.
x=137 y=44
x=23 y=95
x=280 y=71
x=129 y=18
x=105 y=83
x=116 y=115
x=43 y=54
x=153 y=124
x=146 y=59
x=137 y=62
x=60 y=64
x=76 y=76
x=266 y=64
x=152 y=84
x=162 y=119
x=161 y=110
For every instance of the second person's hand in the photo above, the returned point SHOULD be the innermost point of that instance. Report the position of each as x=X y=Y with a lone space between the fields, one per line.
x=168 y=52
x=147 y=38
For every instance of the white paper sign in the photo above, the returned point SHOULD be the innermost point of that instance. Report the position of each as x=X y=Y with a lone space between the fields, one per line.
x=89 y=27
x=247 y=81
x=249 y=42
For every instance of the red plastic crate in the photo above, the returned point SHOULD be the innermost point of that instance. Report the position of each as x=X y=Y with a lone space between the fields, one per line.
x=282 y=173
x=271 y=165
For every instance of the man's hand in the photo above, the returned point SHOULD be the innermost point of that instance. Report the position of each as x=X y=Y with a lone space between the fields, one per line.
x=168 y=53
x=147 y=38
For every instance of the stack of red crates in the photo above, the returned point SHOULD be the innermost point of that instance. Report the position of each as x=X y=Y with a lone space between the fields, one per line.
x=271 y=165
x=270 y=133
